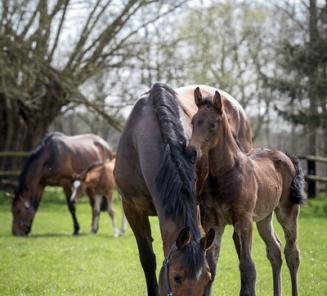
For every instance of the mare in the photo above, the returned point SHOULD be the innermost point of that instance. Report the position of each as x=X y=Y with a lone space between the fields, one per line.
x=155 y=177
x=245 y=187
x=54 y=162
x=99 y=178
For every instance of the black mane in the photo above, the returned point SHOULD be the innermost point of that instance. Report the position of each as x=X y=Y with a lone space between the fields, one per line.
x=175 y=181
x=31 y=160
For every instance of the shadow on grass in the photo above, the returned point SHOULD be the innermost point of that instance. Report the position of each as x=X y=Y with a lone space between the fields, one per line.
x=53 y=234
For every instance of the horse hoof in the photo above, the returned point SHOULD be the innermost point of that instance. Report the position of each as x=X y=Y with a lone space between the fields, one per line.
x=94 y=231
x=116 y=233
x=122 y=232
x=76 y=232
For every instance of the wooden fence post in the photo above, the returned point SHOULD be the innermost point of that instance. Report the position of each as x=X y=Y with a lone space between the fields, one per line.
x=311 y=183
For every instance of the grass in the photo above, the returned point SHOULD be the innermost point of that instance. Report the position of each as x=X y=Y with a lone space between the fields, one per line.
x=53 y=262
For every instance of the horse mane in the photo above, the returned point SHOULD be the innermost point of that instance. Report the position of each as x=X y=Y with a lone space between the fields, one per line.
x=176 y=177
x=36 y=154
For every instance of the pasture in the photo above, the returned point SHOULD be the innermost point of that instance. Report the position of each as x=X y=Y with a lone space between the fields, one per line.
x=53 y=262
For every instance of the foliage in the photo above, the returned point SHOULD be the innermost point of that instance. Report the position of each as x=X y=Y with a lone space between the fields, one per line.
x=301 y=80
x=53 y=262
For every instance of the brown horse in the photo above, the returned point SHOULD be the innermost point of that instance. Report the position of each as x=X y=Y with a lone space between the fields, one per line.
x=53 y=163
x=155 y=178
x=99 y=178
x=246 y=187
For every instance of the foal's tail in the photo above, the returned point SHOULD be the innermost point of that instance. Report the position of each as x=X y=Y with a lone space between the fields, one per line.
x=297 y=186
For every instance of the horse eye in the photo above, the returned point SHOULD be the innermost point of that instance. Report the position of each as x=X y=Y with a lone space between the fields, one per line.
x=177 y=279
x=212 y=126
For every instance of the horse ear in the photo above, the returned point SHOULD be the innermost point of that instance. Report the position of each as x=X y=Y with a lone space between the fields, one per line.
x=184 y=238
x=207 y=241
x=217 y=103
x=197 y=96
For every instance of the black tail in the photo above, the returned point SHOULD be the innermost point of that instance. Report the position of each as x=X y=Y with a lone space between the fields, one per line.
x=176 y=176
x=297 y=186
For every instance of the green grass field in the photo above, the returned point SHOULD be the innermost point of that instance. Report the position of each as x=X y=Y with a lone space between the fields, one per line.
x=53 y=262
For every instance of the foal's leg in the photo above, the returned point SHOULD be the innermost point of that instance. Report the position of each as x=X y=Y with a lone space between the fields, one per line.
x=140 y=225
x=288 y=219
x=213 y=255
x=96 y=213
x=71 y=207
x=111 y=213
x=243 y=229
x=267 y=233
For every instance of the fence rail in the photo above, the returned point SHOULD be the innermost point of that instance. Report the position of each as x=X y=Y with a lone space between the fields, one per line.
x=311 y=177
x=12 y=154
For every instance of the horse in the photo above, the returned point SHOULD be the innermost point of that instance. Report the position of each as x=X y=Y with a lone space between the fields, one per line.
x=54 y=162
x=99 y=178
x=156 y=177
x=243 y=188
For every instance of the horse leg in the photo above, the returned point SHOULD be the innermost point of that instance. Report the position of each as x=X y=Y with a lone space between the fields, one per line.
x=72 y=210
x=213 y=255
x=96 y=213
x=140 y=225
x=243 y=229
x=267 y=233
x=123 y=220
x=288 y=220
x=111 y=213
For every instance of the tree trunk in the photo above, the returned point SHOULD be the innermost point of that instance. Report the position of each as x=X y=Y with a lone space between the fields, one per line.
x=22 y=126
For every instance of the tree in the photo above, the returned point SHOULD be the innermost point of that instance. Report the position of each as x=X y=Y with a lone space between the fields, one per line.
x=301 y=80
x=225 y=47
x=44 y=65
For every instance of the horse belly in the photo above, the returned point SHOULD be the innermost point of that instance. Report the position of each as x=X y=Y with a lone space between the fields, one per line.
x=268 y=198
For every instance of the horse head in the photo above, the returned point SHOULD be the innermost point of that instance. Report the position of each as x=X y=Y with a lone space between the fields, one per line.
x=24 y=207
x=206 y=124
x=185 y=270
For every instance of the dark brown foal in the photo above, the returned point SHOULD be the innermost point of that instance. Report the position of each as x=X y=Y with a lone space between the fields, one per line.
x=246 y=187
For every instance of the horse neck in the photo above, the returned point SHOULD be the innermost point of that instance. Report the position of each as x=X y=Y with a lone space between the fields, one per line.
x=223 y=156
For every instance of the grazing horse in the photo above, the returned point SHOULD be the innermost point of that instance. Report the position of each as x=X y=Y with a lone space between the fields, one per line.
x=155 y=178
x=99 y=178
x=53 y=163
x=245 y=187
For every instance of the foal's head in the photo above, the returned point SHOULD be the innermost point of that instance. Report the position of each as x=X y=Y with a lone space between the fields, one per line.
x=207 y=127
x=89 y=176
x=185 y=271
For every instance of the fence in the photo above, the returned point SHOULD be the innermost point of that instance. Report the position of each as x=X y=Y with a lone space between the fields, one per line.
x=311 y=177
x=16 y=154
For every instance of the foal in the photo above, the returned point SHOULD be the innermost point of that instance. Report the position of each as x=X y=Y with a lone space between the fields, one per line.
x=98 y=178
x=246 y=187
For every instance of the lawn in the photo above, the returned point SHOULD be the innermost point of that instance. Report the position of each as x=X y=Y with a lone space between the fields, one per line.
x=53 y=262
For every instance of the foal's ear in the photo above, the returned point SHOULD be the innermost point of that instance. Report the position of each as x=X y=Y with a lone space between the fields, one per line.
x=217 y=103
x=184 y=238
x=207 y=241
x=197 y=96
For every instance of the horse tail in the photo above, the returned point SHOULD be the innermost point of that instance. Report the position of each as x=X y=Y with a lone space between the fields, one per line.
x=297 y=186
x=175 y=180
